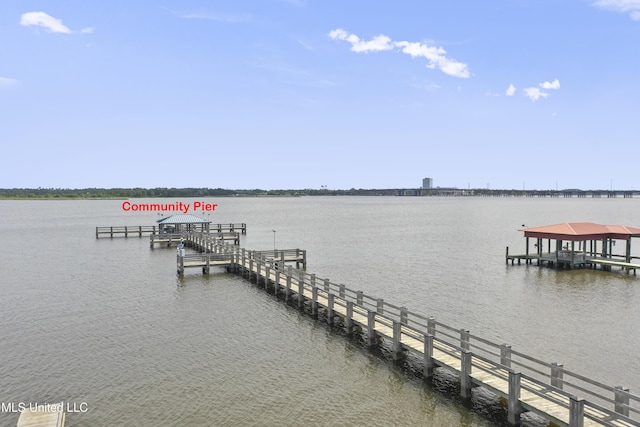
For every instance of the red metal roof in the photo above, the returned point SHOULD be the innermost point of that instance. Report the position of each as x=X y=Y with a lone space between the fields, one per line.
x=582 y=231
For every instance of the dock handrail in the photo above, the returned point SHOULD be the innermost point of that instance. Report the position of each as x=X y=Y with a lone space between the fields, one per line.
x=534 y=375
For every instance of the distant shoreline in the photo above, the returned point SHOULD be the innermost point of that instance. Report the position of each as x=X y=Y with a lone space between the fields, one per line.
x=144 y=193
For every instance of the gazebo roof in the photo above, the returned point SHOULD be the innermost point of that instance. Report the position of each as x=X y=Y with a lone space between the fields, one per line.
x=582 y=231
x=183 y=219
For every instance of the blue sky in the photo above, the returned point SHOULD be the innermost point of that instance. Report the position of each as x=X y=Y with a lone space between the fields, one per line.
x=276 y=94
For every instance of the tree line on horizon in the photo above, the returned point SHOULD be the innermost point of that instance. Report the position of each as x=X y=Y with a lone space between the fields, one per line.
x=110 y=193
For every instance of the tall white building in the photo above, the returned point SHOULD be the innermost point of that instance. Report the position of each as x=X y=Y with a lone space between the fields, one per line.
x=427 y=183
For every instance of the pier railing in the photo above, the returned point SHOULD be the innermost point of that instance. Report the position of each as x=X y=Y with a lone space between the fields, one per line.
x=478 y=357
x=527 y=383
x=139 y=230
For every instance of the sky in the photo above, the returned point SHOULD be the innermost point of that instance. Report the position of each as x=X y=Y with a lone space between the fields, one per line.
x=293 y=94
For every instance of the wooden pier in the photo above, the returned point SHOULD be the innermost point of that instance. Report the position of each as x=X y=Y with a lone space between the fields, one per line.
x=573 y=259
x=42 y=416
x=213 y=253
x=524 y=383
x=141 y=230
x=175 y=238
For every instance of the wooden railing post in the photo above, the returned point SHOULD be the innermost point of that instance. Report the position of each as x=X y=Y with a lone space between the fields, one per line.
x=514 y=408
x=465 y=374
x=359 y=297
x=622 y=400
x=300 y=289
x=267 y=272
x=330 y=298
x=287 y=291
x=576 y=412
x=404 y=315
x=380 y=306
x=180 y=265
x=276 y=286
x=464 y=339
x=349 y=319
x=371 y=324
x=397 y=345
x=429 y=364
x=505 y=355
x=431 y=326
x=556 y=375
x=314 y=301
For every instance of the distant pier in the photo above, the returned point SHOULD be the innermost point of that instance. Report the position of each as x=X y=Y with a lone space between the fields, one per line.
x=140 y=230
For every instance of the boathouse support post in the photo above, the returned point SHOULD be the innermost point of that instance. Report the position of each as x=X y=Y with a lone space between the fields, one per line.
x=514 y=408
x=464 y=339
x=505 y=355
x=380 y=306
x=622 y=400
x=557 y=374
x=465 y=374
x=258 y=269
x=330 y=298
x=276 y=286
x=349 y=318
x=429 y=364
x=576 y=412
x=250 y=266
x=397 y=345
x=371 y=325
x=267 y=273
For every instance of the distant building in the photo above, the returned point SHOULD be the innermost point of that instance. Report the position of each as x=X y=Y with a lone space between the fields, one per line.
x=427 y=183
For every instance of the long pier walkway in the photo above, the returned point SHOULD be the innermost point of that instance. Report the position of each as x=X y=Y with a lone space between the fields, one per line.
x=523 y=382
x=141 y=230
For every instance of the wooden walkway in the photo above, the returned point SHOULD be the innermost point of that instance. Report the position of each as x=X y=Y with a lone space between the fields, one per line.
x=41 y=416
x=524 y=382
x=141 y=230
x=212 y=253
x=175 y=238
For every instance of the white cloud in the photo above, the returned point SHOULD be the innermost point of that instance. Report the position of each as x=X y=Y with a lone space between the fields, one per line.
x=41 y=19
x=435 y=55
x=551 y=85
x=534 y=93
x=220 y=17
x=88 y=30
x=623 y=6
x=376 y=44
x=7 y=82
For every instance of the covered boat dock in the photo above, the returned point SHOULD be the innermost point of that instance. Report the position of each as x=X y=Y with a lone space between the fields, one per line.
x=579 y=244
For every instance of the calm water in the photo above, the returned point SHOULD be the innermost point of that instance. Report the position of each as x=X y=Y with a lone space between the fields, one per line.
x=106 y=325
